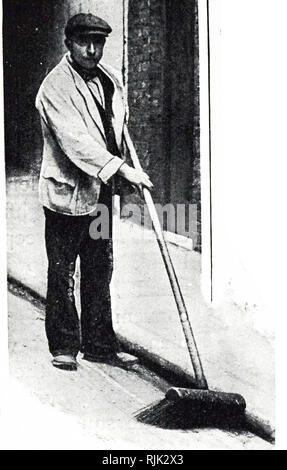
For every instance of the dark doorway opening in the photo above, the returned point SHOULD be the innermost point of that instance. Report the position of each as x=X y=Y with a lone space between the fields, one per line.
x=163 y=48
x=31 y=45
x=182 y=101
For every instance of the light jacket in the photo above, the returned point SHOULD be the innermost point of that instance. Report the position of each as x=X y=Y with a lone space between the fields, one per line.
x=75 y=157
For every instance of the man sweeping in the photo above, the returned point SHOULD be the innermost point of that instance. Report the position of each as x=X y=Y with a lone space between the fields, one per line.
x=81 y=105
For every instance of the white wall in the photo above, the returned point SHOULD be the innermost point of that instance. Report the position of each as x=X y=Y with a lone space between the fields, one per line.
x=248 y=42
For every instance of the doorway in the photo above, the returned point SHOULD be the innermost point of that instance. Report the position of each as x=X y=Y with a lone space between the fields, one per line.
x=32 y=44
x=163 y=94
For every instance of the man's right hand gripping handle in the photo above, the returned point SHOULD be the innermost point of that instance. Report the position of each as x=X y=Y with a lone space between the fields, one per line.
x=136 y=177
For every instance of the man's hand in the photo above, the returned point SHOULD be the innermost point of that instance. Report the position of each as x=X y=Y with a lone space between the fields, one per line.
x=137 y=177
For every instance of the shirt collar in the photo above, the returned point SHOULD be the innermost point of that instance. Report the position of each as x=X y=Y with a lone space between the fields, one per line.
x=84 y=73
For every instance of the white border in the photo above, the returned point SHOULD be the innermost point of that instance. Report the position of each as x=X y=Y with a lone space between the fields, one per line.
x=204 y=150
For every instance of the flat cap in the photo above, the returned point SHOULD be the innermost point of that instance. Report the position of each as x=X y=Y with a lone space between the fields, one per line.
x=86 y=23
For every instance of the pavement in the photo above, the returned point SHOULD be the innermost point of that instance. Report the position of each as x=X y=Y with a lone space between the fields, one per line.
x=235 y=355
x=93 y=408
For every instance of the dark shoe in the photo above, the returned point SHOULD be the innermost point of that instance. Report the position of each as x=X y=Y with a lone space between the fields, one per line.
x=92 y=358
x=65 y=362
x=120 y=359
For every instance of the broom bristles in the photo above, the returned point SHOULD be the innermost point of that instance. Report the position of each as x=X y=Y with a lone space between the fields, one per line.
x=185 y=415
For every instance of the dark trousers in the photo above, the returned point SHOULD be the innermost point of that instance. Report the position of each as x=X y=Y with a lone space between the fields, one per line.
x=67 y=237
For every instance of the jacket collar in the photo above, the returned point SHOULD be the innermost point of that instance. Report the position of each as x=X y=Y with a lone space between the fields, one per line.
x=86 y=94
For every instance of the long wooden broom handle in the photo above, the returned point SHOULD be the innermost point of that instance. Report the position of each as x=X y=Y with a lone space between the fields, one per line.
x=183 y=315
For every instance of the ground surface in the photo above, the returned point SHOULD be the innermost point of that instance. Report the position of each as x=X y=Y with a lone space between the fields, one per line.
x=100 y=401
x=236 y=356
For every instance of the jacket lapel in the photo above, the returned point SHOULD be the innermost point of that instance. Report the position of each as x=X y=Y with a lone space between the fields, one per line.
x=118 y=104
x=86 y=94
x=118 y=107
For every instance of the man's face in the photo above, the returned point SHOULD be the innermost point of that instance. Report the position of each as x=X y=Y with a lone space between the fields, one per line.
x=87 y=49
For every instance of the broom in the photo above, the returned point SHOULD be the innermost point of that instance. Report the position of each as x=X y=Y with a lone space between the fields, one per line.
x=184 y=406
